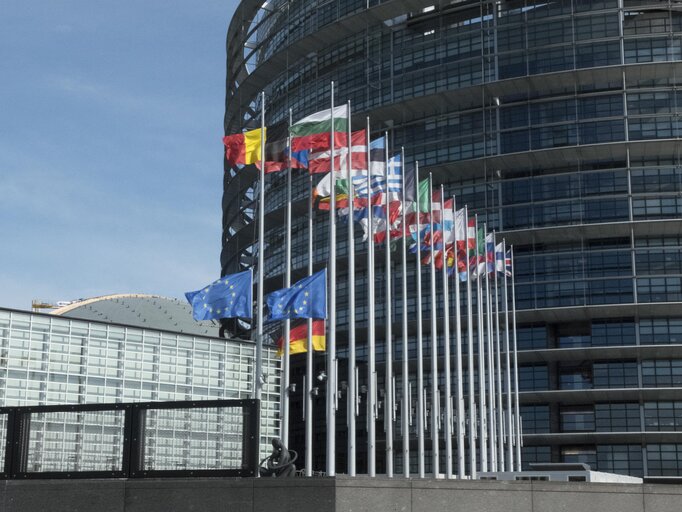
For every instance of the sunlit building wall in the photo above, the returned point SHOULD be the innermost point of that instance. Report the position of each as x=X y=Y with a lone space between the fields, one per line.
x=558 y=123
x=55 y=360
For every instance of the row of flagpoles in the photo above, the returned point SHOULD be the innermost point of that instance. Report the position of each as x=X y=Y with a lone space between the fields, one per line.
x=386 y=198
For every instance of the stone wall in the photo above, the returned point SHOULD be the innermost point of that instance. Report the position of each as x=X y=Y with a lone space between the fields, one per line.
x=339 y=494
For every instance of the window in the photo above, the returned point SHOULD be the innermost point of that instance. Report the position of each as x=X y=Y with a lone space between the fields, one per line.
x=580 y=454
x=662 y=373
x=533 y=377
x=615 y=374
x=660 y=330
x=618 y=417
x=663 y=416
x=664 y=459
x=575 y=377
x=577 y=419
x=613 y=333
x=535 y=419
x=659 y=289
x=625 y=459
x=531 y=454
x=529 y=338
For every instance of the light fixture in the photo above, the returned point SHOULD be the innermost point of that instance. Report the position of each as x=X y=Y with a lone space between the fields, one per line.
x=322 y=376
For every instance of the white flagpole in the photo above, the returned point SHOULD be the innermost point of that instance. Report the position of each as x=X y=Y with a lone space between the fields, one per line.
x=420 y=348
x=331 y=344
x=498 y=367
x=492 y=445
x=286 y=362
x=435 y=410
x=371 y=342
x=405 y=407
x=257 y=378
x=309 y=354
x=482 y=405
x=510 y=429
x=446 y=344
x=351 y=396
x=458 y=352
x=517 y=411
x=388 y=400
x=470 y=359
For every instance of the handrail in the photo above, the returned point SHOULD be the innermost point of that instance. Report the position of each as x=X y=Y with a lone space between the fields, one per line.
x=134 y=440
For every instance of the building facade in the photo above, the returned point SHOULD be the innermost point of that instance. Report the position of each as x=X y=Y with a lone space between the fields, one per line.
x=558 y=123
x=68 y=357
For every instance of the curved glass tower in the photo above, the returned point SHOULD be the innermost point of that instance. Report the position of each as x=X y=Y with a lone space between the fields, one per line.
x=558 y=123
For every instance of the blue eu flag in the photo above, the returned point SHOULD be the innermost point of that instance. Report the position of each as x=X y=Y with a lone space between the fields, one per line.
x=305 y=299
x=228 y=297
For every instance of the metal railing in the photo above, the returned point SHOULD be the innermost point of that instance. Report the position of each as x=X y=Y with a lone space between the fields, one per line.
x=131 y=440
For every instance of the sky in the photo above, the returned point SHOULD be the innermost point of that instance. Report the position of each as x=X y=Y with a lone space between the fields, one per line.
x=111 y=171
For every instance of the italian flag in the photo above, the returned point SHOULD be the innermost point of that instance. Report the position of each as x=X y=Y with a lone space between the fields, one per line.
x=314 y=131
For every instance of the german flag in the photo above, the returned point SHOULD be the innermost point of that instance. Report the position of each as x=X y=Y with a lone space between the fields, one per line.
x=298 y=338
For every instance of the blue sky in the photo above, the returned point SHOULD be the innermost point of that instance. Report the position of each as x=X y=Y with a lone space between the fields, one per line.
x=110 y=146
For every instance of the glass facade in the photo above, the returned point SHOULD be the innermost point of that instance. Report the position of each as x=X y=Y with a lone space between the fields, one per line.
x=558 y=123
x=52 y=360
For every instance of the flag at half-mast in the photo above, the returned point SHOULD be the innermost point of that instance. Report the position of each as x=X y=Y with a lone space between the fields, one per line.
x=429 y=210
x=314 y=131
x=478 y=262
x=390 y=196
x=228 y=297
x=471 y=247
x=243 y=148
x=372 y=180
x=461 y=243
x=277 y=154
x=320 y=161
x=490 y=253
x=305 y=299
x=433 y=239
x=447 y=237
x=298 y=338
x=499 y=259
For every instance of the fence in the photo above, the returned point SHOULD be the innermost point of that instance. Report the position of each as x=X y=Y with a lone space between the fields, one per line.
x=130 y=440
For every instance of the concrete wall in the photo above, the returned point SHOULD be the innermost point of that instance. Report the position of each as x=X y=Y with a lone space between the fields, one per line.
x=333 y=495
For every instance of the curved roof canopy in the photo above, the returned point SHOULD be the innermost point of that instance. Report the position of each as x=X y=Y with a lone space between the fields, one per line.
x=139 y=310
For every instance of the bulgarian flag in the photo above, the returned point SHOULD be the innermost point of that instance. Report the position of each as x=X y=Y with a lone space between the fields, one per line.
x=314 y=132
x=243 y=148
x=298 y=338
